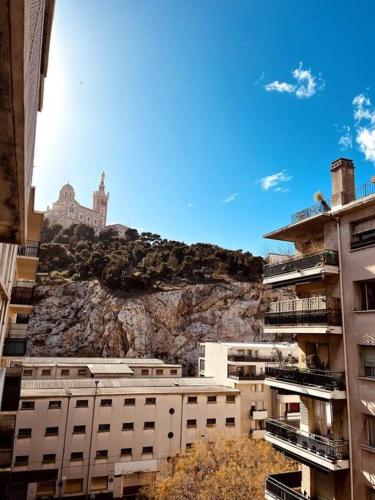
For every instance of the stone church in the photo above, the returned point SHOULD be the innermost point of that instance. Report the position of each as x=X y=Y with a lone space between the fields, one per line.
x=66 y=210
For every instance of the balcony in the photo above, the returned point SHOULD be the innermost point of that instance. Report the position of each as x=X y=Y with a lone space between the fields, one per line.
x=14 y=347
x=301 y=268
x=258 y=414
x=17 y=330
x=31 y=249
x=315 y=383
x=245 y=376
x=310 y=315
x=316 y=450
x=22 y=295
x=247 y=358
x=6 y=458
x=284 y=486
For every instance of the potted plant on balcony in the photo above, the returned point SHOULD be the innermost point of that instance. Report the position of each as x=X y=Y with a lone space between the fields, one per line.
x=319 y=197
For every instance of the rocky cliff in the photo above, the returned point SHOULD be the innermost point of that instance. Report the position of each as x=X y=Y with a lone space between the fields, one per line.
x=87 y=319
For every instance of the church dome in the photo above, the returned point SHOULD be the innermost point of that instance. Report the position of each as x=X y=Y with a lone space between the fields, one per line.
x=67 y=192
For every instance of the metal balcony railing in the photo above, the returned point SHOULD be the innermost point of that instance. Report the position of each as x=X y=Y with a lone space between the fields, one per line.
x=31 y=249
x=244 y=357
x=330 y=449
x=6 y=458
x=22 y=295
x=14 y=347
x=284 y=486
x=246 y=376
x=308 y=261
x=307 y=377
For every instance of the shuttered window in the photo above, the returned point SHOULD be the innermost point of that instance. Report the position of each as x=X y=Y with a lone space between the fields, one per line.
x=73 y=486
x=99 y=483
x=368 y=360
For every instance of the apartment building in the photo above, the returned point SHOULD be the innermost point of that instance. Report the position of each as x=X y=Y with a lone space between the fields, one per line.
x=104 y=428
x=242 y=366
x=333 y=317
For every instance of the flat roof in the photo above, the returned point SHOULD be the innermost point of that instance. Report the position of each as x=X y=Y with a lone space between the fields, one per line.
x=119 y=386
x=106 y=368
x=254 y=345
x=27 y=361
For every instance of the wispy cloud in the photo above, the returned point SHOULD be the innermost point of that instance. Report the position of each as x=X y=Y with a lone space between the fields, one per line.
x=364 y=117
x=306 y=84
x=230 y=198
x=346 y=138
x=257 y=82
x=189 y=205
x=273 y=181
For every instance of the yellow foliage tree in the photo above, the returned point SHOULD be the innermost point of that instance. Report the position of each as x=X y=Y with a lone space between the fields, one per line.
x=219 y=468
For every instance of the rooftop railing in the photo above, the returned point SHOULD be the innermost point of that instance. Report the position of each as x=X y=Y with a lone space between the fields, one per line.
x=22 y=295
x=309 y=311
x=31 y=249
x=307 y=377
x=320 y=208
x=284 y=486
x=330 y=449
x=300 y=262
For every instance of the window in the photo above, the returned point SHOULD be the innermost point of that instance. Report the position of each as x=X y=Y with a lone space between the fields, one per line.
x=101 y=454
x=54 y=405
x=65 y=372
x=27 y=405
x=46 y=489
x=24 y=433
x=128 y=426
x=82 y=372
x=170 y=435
x=79 y=429
x=173 y=371
x=192 y=400
x=106 y=402
x=368 y=360
x=201 y=365
x=202 y=351
x=126 y=452
x=370 y=494
x=104 y=427
x=49 y=458
x=147 y=449
x=99 y=483
x=21 y=460
x=230 y=422
x=211 y=422
x=370 y=430
x=230 y=399
x=129 y=402
x=191 y=423
x=27 y=373
x=82 y=403
x=189 y=446
x=52 y=431
x=159 y=371
x=211 y=399
x=76 y=456
x=150 y=401
x=145 y=371
x=46 y=373
x=363 y=234
x=367 y=295
x=73 y=486
x=149 y=425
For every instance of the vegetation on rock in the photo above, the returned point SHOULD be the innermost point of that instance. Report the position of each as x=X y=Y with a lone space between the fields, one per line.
x=219 y=468
x=138 y=261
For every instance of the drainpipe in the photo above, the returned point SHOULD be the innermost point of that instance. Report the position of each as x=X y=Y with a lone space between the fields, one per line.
x=92 y=432
x=60 y=483
x=337 y=219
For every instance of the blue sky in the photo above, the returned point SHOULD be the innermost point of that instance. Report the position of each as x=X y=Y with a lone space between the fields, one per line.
x=214 y=120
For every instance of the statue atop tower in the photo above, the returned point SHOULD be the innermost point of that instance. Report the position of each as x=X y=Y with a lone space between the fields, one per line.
x=100 y=201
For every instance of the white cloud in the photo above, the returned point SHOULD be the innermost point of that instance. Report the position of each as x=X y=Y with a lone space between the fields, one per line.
x=346 y=139
x=272 y=181
x=230 y=198
x=306 y=84
x=190 y=205
x=364 y=117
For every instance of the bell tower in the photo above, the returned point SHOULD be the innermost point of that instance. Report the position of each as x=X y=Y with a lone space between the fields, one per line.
x=100 y=202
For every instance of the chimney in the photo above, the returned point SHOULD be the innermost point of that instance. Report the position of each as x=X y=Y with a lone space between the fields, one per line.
x=343 y=186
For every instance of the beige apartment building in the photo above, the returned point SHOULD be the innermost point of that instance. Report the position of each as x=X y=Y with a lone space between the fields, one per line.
x=104 y=428
x=333 y=318
x=242 y=365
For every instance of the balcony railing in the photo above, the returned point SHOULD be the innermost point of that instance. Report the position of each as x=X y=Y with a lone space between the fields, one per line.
x=6 y=458
x=22 y=295
x=31 y=249
x=330 y=449
x=307 y=377
x=316 y=259
x=284 y=486
x=309 y=311
x=14 y=347
x=246 y=376
x=243 y=358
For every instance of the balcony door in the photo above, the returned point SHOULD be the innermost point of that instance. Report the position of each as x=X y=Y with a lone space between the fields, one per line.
x=322 y=425
x=317 y=356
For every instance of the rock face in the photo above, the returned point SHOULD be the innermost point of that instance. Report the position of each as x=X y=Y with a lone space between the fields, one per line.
x=86 y=319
